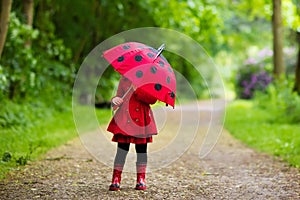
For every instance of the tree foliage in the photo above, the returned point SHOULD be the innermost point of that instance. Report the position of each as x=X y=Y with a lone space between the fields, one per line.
x=33 y=72
x=64 y=32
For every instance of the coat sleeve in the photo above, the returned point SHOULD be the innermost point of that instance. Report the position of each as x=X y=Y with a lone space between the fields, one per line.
x=144 y=97
x=121 y=86
x=120 y=92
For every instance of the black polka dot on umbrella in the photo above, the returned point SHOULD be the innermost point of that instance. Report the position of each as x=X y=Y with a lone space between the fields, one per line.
x=125 y=47
x=153 y=70
x=121 y=58
x=170 y=70
x=172 y=95
x=157 y=87
x=168 y=79
x=138 y=58
x=139 y=74
x=150 y=55
x=161 y=63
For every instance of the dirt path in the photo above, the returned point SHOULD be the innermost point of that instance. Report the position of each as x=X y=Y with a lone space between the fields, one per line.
x=230 y=171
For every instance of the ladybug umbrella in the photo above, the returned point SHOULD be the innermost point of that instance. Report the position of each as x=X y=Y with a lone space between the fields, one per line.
x=146 y=68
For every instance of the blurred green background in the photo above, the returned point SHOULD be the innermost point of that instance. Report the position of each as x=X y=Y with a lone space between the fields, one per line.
x=47 y=40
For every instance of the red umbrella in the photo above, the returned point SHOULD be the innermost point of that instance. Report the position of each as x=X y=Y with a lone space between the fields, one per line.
x=146 y=67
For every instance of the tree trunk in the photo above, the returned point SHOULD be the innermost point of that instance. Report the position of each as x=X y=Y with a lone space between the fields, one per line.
x=279 y=68
x=28 y=11
x=297 y=71
x=28 y=8
x=4 y=22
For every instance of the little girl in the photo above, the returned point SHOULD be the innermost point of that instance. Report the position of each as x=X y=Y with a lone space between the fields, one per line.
x=133 y=122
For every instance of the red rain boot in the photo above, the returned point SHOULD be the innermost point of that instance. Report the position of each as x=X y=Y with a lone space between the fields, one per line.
x=141 y=176
x=116 y=179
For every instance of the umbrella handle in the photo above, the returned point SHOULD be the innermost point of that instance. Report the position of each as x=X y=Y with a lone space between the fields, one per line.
x=160 y=50
x=114 y=111
x=131 y=86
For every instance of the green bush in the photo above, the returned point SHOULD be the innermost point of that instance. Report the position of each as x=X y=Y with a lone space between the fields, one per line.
x=23 y=115
x=281 y=102
x=36 y=68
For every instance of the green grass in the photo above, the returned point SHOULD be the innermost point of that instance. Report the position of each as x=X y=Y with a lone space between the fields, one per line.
x=20 y=144
x=257 y=128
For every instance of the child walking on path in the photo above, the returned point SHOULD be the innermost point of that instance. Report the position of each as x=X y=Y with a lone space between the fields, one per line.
x=133 y=122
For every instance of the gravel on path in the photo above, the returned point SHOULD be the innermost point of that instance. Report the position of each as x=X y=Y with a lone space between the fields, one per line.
x=230 y=171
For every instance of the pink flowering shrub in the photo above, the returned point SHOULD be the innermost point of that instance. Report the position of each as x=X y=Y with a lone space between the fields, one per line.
x=254 y=75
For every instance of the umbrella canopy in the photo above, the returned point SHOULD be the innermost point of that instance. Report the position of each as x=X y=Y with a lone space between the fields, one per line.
x=146 y=67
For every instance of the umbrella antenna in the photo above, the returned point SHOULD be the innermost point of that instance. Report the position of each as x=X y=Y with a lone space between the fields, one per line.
x=159 y=51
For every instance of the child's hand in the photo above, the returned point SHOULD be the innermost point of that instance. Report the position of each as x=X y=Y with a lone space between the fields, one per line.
x=117 y=101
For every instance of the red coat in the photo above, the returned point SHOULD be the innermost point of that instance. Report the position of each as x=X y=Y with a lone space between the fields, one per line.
x=134 y=117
